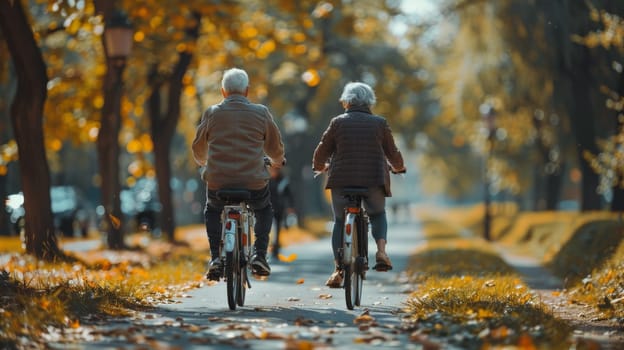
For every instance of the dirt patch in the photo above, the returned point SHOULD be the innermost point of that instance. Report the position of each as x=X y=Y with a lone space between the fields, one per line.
x=590 y=327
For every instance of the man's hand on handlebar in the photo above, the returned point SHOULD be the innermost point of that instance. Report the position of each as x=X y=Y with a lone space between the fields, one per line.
x=269 y=162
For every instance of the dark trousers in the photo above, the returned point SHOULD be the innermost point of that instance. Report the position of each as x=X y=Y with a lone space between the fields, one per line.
x=260 y=203
x=278 y=222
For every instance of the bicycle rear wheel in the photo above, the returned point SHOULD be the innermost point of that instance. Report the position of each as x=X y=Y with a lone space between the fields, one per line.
x=352 y=281
x=232 y=276
x=241 y=278
x=361 y=257
x=348 y=286
x=358 y=281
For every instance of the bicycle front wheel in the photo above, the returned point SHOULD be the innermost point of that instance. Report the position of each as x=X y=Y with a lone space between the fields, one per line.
x=232 y=276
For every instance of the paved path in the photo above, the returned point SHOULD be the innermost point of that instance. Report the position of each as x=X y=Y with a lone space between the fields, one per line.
x=293 y=309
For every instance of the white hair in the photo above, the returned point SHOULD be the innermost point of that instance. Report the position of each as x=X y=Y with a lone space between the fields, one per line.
x=235 y=80
x=358 y=94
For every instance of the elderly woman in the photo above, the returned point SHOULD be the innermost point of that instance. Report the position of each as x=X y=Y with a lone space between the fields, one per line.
x=358 y=150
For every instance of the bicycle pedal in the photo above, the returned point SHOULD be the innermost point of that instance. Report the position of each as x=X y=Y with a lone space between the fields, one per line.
x=260 y=273
x=213 y=277
x=382 y=267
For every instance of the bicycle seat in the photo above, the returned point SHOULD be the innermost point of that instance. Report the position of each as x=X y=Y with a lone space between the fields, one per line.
x=233 y=195
x=355 y=191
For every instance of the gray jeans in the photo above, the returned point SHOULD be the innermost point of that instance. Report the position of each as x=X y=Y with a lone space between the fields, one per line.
x=374 y=203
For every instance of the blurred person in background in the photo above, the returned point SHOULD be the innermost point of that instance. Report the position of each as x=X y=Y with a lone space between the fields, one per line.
x=283 y=203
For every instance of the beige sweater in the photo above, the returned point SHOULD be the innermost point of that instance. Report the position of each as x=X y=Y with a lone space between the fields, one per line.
x=231 y=141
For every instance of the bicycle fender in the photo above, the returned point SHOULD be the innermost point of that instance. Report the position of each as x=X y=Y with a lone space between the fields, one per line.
x=230 y=238
x=348 y=236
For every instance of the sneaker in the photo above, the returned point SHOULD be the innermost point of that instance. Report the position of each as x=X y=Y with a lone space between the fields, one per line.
x=260 y=266
x=383 y=262
x=214 y=269
x=335 y=280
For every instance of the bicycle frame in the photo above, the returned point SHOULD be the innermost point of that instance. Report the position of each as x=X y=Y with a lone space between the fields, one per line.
x=354 y=251
x=235 y=250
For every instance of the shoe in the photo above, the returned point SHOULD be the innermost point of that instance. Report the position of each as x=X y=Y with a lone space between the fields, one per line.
x=214 y=269
x=260 y=266
x=335 y=280
x=383 y=262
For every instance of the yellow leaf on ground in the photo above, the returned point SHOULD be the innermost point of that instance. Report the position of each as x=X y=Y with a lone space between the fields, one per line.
x=363 y=319
x=292 y=257
x=293 y=344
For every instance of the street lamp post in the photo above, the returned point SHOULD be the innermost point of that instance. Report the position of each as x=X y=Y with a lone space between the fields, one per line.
x=488 y=116
x=118 y=36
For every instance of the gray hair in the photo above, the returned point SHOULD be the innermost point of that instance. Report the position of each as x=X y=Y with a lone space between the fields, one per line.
x=235 y=80
x=358 y=94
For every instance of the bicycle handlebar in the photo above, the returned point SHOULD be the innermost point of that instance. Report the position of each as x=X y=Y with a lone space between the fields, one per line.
x=401 y=172
x=268 y=162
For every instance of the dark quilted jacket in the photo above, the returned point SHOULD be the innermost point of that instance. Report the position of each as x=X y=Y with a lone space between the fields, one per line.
x=358 y=145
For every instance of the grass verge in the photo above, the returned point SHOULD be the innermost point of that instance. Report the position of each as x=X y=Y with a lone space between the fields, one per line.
x=38 y=299
x=468 y=296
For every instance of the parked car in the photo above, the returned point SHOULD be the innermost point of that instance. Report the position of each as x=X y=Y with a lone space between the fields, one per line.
x=71 y=211
x=140 y=203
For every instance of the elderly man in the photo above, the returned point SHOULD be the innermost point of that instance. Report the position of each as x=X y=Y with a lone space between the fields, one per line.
x=231 y=142
x=356 y=149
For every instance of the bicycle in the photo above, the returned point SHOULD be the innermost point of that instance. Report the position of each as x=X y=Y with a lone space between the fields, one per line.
x=353 y=254
x=235 y=252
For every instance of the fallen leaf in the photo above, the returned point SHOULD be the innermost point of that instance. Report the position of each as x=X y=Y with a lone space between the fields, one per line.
x=300 y=281
x=300 y=321
x=265 y=335
x=363 y=319
x=422 y=340
x=292 y=257
x=325 y=296
x=115 y=221
x=525 y=342
x=293 y=344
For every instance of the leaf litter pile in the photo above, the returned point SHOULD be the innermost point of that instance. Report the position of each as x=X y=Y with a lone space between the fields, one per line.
x=469 y=297
x=42 y=301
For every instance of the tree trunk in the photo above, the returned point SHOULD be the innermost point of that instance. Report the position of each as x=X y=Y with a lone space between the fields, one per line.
x=581 y=111
x=5 y=227
x=108 y=156
x=5 y=136
x=108 y=143
x=163 y=126
x=26 y=116
x=575 y=94
x=554 y=182
x=617 y=202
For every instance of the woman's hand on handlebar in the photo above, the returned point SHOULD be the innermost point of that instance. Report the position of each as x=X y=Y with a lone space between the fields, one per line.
x=318 y=172
x=398 y=171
